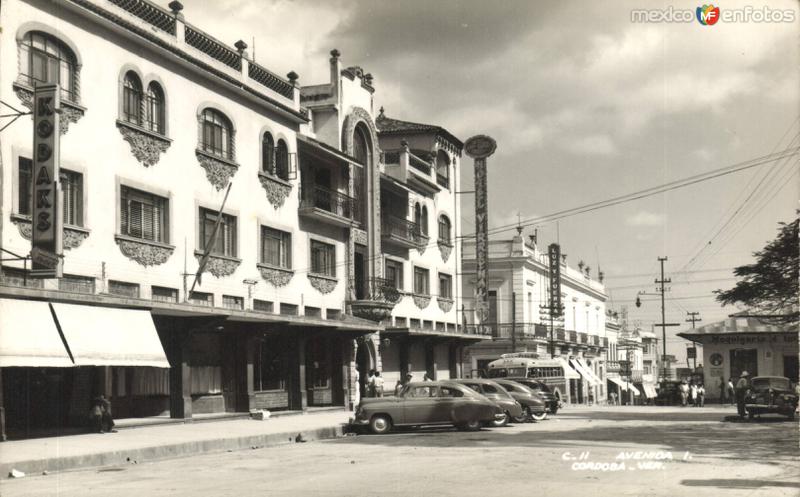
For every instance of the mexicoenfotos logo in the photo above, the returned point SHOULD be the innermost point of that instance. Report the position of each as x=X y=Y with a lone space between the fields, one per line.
x=708 y=15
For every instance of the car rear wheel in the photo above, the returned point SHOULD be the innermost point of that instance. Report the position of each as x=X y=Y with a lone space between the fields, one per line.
x=539 y=416
x=499 y=423
x=471 y=425
x=380 y=424
x=524 y=417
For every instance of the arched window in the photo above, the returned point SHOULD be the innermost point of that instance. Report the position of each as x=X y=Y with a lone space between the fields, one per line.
x=444 y=230
x=46 y=59
x=282 y=160
x=424 y=220
x=132 y=98
x=361 y=149
x=268 y=154
x=443 y=169
x=155 y=109
x=418 y=217
x=216 y=135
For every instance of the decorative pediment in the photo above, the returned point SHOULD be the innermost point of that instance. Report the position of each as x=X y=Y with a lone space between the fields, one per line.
x=218 y=171
x=277 y=189
x=276 y=276
x=323 y=284
x=144 y=252
x=219 y=266
x=146 y=146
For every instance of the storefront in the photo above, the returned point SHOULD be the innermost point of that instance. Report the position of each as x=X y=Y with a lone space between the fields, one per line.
x=740 y=344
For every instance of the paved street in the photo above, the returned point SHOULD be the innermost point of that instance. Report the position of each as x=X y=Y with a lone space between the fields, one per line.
x=554 y=458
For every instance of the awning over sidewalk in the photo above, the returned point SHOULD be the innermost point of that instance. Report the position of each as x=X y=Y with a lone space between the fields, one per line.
x=649 y=390
x=104 y=336
x=624 y=386
x=589 y=370
x=582 y=371
x=29 y=337
x=569 y=373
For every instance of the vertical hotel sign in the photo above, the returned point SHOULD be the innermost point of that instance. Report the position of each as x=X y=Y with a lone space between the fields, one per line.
x=479 y=148
x=554 y=256
x=47 y=229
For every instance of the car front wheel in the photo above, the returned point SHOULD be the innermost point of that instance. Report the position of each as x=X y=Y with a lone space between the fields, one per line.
x=541 y=416
x=499 y=423
x=471 y=425
x=380 y=424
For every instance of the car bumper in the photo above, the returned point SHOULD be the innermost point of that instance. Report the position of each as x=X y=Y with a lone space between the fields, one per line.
x=358 y=422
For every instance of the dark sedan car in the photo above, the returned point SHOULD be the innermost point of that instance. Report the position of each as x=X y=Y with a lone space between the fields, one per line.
x=533 y=402
x=770 y=394
x=493 y=391
x=550 y=399
x=427 y=403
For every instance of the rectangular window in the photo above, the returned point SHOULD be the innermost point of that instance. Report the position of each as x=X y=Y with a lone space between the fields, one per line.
x=224 y=240
x=263 y=305
x=313 y=312
x=289 y=309
x=323 y=259
x=143 y=215
x=76 y=284
x=276 y=247
x=421 y=281
x=71 y=185
x=123 y=289
x=394 y=273
x=333 y=313
x=201 y=298
x=445 y=286
x=232 y=302
x=163 y=294
x=18 y=277
x=270 y=368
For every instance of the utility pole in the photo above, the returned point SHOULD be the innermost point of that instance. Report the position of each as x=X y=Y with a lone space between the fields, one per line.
x=693 y=318
x=661 y=282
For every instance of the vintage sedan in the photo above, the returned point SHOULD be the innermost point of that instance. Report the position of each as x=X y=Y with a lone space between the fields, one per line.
x=493 y=391
x=427 y=403
x=553 y=403
x=770 y=394
x=533 y=403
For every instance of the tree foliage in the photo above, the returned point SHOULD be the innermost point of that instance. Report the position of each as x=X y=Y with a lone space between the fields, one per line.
x=769 y=287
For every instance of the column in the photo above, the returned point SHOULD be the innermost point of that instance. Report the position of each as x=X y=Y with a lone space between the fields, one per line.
x=430 y=359
x=298 y=397
x=2 y=410
x=180 y=377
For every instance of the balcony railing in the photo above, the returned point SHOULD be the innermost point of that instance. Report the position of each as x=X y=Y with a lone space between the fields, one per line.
x=402 y=230
x=419 y=164
x=443 y=180
x=583 y=338
x=337 y=203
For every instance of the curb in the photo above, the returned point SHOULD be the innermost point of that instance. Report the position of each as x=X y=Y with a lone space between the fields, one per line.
x=144 y=454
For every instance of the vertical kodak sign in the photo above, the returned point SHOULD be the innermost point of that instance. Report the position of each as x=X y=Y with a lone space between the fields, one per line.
x=47 y=232
x=479 y=148
x=554 y=256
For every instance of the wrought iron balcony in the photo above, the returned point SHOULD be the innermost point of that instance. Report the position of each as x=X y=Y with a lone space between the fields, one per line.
x=327 y=205
x=375 y=298
x=402 y=232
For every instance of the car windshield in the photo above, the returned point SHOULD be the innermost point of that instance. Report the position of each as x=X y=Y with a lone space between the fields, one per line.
x=774 y=383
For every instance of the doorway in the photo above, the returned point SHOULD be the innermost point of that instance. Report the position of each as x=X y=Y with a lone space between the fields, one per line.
x=744 y=360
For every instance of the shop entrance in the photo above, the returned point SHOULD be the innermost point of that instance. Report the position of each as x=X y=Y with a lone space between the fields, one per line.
x=744 y=360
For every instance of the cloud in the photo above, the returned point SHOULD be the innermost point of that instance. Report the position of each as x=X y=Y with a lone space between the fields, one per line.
x=590 y=145
x=645 y=219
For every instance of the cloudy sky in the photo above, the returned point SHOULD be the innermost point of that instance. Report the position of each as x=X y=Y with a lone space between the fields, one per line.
x=585 y=105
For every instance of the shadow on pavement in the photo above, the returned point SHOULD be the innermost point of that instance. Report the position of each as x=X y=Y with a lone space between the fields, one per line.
x=749 y=441
x=731 y=483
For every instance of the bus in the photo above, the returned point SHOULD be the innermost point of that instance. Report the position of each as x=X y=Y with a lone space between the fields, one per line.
x=555 y=373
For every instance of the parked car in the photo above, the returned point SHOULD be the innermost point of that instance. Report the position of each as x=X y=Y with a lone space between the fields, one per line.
x=770 y=394
x=533 y=403
x=493 y=391
x=427 y=403
x=669 y=393
x=551 y=401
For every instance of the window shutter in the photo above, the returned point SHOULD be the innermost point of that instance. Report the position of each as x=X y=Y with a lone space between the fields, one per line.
x=292 y=166
x=25 y=186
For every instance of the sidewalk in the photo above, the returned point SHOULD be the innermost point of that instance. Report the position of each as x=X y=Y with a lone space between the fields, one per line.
x=130 y=446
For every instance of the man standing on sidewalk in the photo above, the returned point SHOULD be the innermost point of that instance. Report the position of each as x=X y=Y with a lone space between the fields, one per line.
x=741 y=391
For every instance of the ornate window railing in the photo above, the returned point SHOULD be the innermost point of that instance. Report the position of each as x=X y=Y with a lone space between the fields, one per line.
x=328 y=200
x=402 y=228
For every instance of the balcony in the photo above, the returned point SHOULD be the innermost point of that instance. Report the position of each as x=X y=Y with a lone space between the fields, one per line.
x=402 y=232
x=328 y=206
x=377 y=298
x=583 y=338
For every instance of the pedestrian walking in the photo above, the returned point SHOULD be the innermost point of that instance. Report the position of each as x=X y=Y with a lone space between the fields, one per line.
x=108 y=419
x=731 y=391
x=693 y=393
x=378 y=381
x=613 y=396
x=371 y=383
x=402 y=383
x=357 y=381
x=722 y=391
x=742 y=386
x=100 y=417
x=701 y=395
x=684 y=389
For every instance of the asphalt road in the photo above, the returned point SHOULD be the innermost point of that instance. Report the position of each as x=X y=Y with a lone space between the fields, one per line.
x=580 y=452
